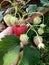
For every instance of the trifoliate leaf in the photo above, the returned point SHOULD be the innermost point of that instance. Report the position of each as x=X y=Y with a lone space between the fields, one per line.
x=31 y=56
x=32 y=8
x=1 y=16
x=8 y=42
x=11 y=56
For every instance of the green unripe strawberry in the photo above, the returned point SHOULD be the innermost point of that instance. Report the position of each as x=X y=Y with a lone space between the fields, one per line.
x=13 y=20
x=7 y=19
x=24 y=38
x=40 y=31
x=42 y=25
x=37 y=20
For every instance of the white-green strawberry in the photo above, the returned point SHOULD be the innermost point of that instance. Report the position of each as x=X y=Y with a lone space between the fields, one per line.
x=42 y=25
x=37 y=20
x=13 y=20
x=24 y=38
x=40 y=31
x=7 y=19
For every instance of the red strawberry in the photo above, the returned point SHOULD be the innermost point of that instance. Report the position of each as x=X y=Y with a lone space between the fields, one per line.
x=18 y=30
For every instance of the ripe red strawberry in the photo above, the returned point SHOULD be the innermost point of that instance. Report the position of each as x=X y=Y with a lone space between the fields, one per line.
x=18 y=30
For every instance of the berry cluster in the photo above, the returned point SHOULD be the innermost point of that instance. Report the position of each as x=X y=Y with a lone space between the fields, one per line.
x=22 y=25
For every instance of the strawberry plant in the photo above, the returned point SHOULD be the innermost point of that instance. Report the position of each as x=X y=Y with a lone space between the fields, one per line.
x=25 y=40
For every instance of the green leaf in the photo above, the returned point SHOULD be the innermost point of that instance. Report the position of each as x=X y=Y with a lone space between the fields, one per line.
x=11 y=56
x=1 y=16
x=40 y=9
x=46 y=5
x=8 y=42
x=32 y=8
x=31 y=56
x=44 y=1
